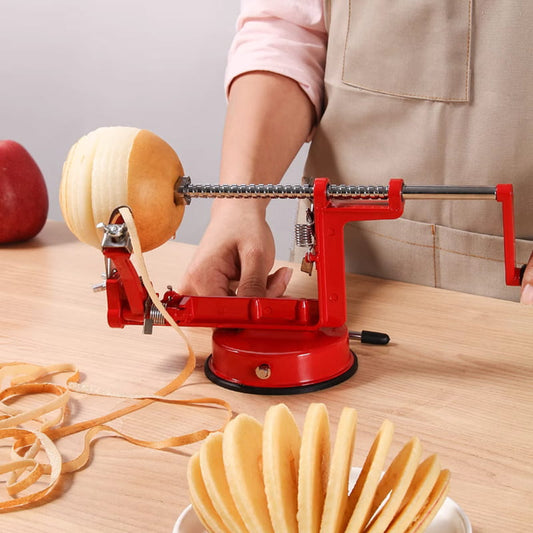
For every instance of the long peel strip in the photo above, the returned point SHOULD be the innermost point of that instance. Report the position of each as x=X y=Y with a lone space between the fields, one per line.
x=28 y=443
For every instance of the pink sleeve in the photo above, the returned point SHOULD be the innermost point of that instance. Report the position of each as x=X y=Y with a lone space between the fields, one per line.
x=287 y=37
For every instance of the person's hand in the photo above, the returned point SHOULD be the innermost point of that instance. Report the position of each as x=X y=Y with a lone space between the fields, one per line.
x=236 y=254
x=526 y=296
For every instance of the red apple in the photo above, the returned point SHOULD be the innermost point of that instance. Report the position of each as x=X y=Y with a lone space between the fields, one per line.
x=23 y=195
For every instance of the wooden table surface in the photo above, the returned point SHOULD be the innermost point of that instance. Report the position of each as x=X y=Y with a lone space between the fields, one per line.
x=458 y=373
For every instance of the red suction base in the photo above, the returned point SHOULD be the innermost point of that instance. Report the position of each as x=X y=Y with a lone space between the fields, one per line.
x=280 y=361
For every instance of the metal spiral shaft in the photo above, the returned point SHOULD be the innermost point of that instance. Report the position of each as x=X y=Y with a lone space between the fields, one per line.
x=185 y=190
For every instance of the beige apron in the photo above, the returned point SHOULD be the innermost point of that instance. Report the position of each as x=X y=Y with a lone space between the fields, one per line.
x=433 y=92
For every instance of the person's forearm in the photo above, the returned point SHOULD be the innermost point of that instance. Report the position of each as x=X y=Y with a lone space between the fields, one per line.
x=269 y=117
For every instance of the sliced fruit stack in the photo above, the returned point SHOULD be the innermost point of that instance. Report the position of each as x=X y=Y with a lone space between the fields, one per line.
x=271 y=479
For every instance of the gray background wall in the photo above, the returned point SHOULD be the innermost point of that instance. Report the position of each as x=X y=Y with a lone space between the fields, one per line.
x=70 y=66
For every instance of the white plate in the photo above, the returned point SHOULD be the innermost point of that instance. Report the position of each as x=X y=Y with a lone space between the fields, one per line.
x=450 y=518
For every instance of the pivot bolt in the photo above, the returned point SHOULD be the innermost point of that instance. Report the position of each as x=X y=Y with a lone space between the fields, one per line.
x=263 y=371
x=100 y=287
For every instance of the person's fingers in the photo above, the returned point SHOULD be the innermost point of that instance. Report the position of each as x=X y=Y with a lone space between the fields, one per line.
x=201 y=289
x=277 y=282
x=206 y=280
x=526 y=295
x=235 y=254
x=275 y=287
x=254 y=274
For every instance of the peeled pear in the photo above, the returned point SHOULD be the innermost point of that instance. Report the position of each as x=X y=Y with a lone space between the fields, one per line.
x=115 y=166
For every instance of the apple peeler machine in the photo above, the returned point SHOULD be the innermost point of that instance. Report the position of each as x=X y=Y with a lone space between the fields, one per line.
x=283 y=345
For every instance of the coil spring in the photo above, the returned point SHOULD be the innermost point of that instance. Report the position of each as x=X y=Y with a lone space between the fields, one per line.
x=304 y=235
x=156 y=316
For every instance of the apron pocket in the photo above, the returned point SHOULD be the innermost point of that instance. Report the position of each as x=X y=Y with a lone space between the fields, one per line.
x=409 y=48
x=429 y=254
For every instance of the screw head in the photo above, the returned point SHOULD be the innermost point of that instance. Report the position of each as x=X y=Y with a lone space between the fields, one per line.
x=263 y=371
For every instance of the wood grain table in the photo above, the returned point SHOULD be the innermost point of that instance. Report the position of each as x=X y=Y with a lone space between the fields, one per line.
x=458 y=373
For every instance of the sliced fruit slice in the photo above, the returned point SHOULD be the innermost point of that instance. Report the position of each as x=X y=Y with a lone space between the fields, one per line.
x=432 y=505
x=393 y=486
x=281 y=456
x=314 y=468
x=200 y=498
x=341 y=460
x=216 y=483
x=362 y=495
x=243 y=461
x=423 y=482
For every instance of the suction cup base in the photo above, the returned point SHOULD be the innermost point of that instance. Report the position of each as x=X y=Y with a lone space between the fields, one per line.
x=280 y=361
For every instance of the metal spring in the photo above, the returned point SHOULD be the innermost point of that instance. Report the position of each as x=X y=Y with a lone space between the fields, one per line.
x=156 y=316
x=303 y=235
